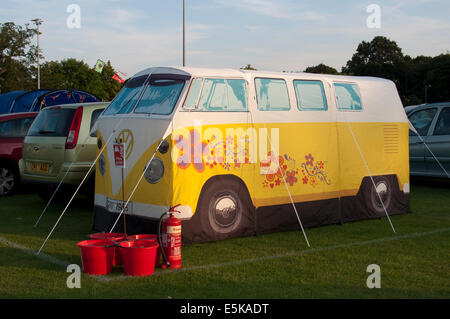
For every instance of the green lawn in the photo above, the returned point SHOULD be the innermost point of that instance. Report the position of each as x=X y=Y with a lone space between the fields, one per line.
x=415 y=262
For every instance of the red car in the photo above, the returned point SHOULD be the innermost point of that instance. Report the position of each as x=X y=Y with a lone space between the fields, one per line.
x=13 y=128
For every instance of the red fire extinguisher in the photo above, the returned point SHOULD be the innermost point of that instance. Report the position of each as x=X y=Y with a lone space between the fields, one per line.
x=171 y=240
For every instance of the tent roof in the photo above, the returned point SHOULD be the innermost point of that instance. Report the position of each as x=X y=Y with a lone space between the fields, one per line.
x=226 y=72
x=7 y=99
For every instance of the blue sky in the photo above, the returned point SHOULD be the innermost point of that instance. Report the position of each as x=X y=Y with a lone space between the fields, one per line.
x=270 y=35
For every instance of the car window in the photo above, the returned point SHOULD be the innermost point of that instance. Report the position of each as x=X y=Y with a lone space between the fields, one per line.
x=272 y=94
x=7 y=128
x=16 y=127
x=443 y=123
x=52 y=121
x=421 y=120
x=24 y=126
x=94 y=117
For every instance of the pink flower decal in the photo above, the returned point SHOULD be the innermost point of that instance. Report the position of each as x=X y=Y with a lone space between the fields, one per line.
x=290 y=178
x=230 y=139
x=309 y=160
x=321 y=165
x=191 y=151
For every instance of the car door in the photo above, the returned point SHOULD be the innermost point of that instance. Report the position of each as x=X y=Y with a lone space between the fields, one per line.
x=439 y=144
x=421 y=120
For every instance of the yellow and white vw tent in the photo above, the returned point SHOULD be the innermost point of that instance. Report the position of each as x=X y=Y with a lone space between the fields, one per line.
x=245 y=152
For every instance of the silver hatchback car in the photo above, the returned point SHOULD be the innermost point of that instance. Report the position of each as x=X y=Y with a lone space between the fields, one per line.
x=432 y=123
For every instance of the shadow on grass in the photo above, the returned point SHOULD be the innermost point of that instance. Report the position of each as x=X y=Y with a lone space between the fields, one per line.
x=12 y=257
x=22 y=211
x=430 y=182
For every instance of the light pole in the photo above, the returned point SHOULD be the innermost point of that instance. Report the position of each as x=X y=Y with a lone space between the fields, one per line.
x=38 y=22
x=426 y=92
x=184 y=33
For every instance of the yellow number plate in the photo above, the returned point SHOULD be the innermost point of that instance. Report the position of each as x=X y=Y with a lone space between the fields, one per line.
x=40 y=167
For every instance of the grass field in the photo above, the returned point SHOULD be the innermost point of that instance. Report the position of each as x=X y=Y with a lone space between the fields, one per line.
x=415 y=262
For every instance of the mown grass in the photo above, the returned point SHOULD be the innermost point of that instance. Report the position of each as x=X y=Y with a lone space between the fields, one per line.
x=413 y=264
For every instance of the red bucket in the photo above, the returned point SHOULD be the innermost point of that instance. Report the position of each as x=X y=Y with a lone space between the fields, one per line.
x=147 y=237
x=143 y=236
x=139 y=257
x=117 y=237
x=96 y=256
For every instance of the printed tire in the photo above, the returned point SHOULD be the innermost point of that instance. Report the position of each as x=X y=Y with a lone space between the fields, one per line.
x=385 y=188
x=225 y=208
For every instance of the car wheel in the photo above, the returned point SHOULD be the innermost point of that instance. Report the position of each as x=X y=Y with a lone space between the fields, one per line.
x=8 y=181
x=225 y=209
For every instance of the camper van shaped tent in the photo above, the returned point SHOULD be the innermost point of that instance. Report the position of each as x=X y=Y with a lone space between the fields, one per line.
x=234 y=149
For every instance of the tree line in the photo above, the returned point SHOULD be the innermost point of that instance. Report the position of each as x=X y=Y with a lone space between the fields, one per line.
x=418 y=80
x=422 y=79
x=18 y=71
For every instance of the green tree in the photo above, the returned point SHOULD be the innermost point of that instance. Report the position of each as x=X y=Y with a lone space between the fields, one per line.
x=17 y=56
x=322 y=69
x=429 y=78
x=110 y=86
x=75 y=74
x=418 y=80
x=248 y=67
x=380 y=57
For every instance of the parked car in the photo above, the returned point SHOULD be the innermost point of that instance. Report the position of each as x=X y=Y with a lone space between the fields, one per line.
x=13 y=128
x=432 y=123
x=410 y=108
x=60 y=139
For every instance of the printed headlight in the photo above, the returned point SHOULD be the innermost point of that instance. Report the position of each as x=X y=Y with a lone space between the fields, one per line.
x=102 y=164
x=154 y=171
x=99 y=143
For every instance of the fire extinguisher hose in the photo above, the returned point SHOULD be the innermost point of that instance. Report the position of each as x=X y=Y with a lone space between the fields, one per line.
x=159 y=238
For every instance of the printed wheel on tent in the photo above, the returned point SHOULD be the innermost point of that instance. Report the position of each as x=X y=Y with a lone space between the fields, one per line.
x=384 y=189
x=225 y=208
x=8 y=180
x=225 y=211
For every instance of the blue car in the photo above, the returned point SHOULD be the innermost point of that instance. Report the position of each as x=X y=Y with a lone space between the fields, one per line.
x=432 y=123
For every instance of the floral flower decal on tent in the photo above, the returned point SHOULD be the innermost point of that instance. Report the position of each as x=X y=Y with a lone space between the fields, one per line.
x=197 y=148
x=212 y=153
x=273 y=170
x=314 y=172
x=222 y=153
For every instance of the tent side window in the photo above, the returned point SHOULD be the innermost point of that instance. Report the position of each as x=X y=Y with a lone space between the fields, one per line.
x=191 y=101
x=347 y=96
x=217 y=95
x=272 y=94
x=310 y=95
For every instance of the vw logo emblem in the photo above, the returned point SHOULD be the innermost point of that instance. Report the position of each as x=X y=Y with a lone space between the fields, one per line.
x=127 y=138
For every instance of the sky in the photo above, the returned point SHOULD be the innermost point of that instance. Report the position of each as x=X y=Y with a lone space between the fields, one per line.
x=278 y=35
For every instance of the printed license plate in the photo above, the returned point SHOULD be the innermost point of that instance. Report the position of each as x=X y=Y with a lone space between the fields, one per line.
x=40 y=167
x=115 y=206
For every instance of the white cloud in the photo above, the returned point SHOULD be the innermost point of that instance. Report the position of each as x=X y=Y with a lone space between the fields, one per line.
x=275 y=9
x=261 y=7
x=125 y=34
